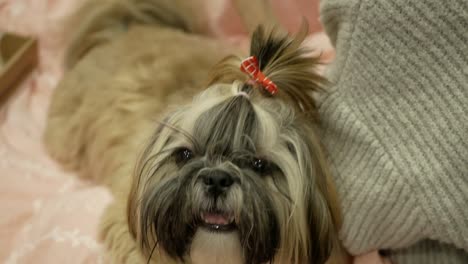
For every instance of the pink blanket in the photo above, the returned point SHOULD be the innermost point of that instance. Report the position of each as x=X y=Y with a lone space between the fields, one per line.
x=47 y=214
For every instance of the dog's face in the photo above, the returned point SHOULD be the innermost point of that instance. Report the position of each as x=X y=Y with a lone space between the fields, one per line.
x=236 y=176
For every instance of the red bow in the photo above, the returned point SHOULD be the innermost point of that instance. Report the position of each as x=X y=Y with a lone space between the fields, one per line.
x=250 y=66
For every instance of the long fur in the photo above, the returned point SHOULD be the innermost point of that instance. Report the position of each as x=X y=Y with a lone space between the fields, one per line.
x=102 y=21
x=134 y=65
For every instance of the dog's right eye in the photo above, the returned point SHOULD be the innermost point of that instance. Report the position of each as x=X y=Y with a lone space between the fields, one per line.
x=261 y=166
x=183 y=155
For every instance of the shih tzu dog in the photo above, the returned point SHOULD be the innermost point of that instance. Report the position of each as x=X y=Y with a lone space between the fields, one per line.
x=208 y=162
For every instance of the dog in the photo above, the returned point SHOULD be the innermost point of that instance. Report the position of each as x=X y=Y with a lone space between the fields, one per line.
x=210 y=158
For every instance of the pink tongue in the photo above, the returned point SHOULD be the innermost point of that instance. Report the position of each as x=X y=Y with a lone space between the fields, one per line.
x=215 y=219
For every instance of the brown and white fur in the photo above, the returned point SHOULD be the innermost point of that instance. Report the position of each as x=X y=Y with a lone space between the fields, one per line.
x=204 y=166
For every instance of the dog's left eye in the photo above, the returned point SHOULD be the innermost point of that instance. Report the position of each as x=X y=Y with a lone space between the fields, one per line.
x=261 y=166
x=183 y=155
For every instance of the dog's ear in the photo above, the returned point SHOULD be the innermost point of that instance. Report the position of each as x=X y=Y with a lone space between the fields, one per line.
x=324 y=223
x=323 y=212
x=317 y=237
x=289 y=65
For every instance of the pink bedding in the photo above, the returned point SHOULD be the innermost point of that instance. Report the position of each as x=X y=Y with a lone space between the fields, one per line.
x=47 y=214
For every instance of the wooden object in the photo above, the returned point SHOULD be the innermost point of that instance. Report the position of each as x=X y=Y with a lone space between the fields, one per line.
x=18 y=58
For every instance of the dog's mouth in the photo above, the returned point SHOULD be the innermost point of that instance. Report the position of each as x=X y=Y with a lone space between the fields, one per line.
x=218 y=221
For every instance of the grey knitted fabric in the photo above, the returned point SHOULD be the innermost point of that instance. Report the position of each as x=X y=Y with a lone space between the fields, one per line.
x=429 y=251
x=395 y=123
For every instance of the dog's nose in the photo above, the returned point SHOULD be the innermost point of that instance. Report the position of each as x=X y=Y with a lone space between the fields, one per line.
x=218 y=180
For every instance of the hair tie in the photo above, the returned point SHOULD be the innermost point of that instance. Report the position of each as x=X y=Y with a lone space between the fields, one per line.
x=251 y=67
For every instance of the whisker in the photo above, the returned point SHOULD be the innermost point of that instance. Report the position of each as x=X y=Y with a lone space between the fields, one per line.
x=152 y=251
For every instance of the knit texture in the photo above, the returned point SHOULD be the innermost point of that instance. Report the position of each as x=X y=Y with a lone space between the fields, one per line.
x=395 y=123
x=429 y=251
